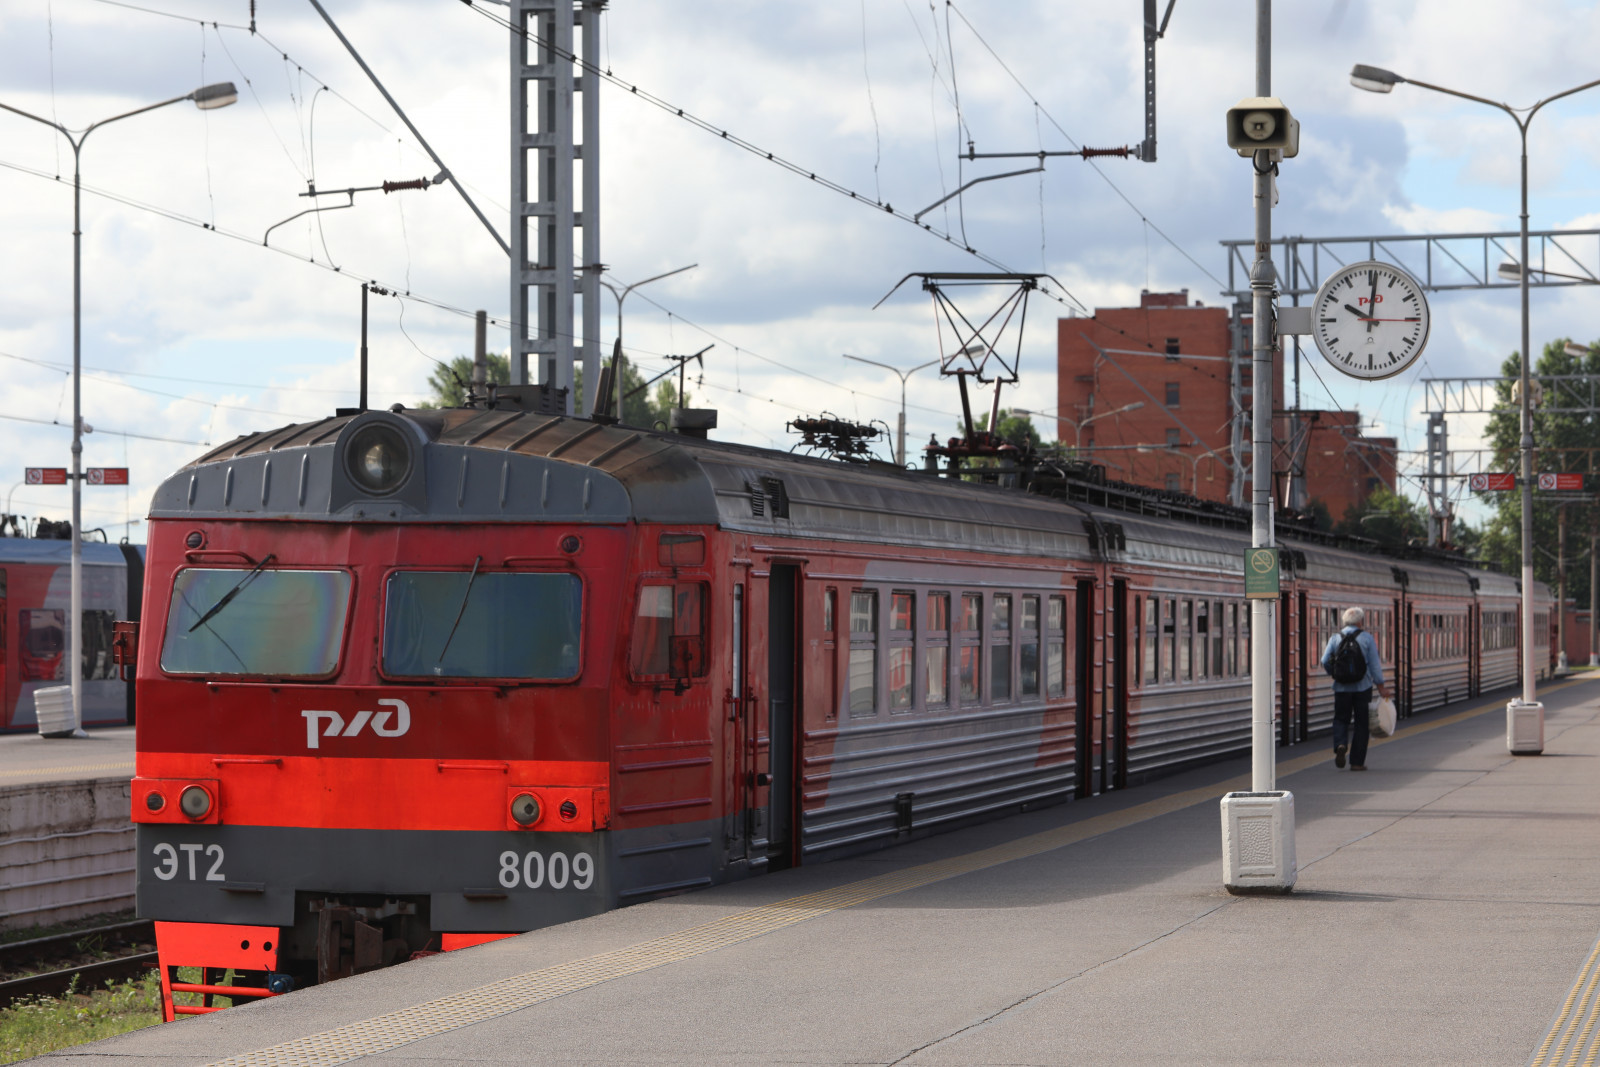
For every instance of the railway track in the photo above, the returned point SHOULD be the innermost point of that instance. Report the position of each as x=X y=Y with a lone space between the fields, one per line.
x=43 y=951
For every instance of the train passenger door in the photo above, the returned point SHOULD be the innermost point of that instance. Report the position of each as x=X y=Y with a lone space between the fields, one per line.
x=1474 y=649
x=1083 y=656
x=1114 y=742
x=5 y=692
x=1286 y=663
x=1402 y=657
x=1308 y=661
x=783 y=603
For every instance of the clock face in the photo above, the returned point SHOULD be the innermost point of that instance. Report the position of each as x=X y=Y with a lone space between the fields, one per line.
x=1370 y=320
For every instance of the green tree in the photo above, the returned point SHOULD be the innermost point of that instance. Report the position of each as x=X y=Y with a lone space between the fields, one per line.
x=1017 y=430
x=639 y=409
x=1563 y=441
x=449 y=384
x=1386 y=517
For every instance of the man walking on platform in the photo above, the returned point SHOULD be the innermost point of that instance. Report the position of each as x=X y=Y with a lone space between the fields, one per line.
x=1352 y=659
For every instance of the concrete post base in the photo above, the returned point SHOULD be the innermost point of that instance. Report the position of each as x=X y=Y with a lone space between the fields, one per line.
x=1561 y=663
x=1524 y=728
x=1258 y=842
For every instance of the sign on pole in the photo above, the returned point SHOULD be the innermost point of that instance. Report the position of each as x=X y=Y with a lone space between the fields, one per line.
x=106 y=476
x=1561 y=482
x=1493 y=482
x=1261 y=574
x=45 y=476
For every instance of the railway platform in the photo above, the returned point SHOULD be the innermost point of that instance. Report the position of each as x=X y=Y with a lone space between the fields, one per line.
x=27 y=759
x=1446 y=912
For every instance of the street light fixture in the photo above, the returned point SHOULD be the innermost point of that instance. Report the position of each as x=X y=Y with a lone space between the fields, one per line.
x=1077 y=427
x=1194 y=461
x=617 y=358
x=1378 y=80
x=206 y=98
x=1512 y=272
x=900 y=438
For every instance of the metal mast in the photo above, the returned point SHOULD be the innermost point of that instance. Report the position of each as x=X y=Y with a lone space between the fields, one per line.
x=546 y=278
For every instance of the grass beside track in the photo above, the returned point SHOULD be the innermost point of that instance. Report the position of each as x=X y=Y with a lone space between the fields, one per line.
x=34 y=1027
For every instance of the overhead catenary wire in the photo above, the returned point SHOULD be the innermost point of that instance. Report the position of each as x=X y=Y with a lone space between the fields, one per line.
x=1066 y=299
x=950 y=5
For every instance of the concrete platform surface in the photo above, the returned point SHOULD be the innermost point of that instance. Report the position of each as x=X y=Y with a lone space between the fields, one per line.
x=26 y=757
x=1446 y=913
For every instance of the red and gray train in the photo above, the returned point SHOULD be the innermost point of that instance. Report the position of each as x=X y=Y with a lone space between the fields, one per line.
x=412 y=680
x=35 y=598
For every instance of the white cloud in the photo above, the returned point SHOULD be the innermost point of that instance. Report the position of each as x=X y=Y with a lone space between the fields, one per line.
x=787 y=270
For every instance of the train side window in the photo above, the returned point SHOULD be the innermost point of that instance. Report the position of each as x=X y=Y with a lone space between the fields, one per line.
x=1000 y=648
x=902 y=650
x=1169 y=634
x=1202 y=637
x=1028 y=655
x=1217 y=638
x=43 y=643
x=1151 y=631
x=969 y=661
x=97 y=646
x=863 y=652
x=1055 y=667
x=1244 y=638
x=667 y=612
x=830 y=610
x=937 y=644
x=1185 y=636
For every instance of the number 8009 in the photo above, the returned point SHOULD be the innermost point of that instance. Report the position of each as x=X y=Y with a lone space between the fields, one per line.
x=532 y=870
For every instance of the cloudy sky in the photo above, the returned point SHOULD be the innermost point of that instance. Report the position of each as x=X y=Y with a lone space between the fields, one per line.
x=195 y=331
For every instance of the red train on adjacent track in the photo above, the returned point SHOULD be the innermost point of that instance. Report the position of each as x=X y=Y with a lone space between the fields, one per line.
x=412 y=680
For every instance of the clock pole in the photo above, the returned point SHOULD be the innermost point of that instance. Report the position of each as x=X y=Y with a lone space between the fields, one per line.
x=1263 y=289
x=1258 y=854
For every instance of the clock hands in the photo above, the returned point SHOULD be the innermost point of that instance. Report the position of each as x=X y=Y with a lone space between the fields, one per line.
x=1370 y=319
x=1372 y=300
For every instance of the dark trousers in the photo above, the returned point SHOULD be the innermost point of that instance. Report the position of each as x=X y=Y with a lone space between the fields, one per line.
x=1350 y=711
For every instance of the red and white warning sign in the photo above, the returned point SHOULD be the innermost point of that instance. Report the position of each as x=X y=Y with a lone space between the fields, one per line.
x=1492 y=482
x=1561 y=482
x=45 y=476
x=106 y=476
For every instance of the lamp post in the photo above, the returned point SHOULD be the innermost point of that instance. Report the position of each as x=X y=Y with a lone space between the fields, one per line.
x=616 y=368
x=900 y=438
x=1077 y=426
x=1194 y=461
x=1378 y=80
x=206 y=98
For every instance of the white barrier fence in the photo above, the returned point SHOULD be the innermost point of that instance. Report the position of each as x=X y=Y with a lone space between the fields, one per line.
x=66 y=850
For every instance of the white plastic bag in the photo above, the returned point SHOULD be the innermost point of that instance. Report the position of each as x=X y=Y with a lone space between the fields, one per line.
x=1381 y=716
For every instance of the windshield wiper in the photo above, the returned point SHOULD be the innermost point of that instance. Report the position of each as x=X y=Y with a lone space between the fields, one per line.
x=227 y=597
x=460 y=611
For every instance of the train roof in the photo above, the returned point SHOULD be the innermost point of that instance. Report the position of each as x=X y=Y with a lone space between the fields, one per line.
x=47 y=550
x=496 y=465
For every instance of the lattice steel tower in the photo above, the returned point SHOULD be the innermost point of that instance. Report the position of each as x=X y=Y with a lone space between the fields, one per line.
x=548 y=279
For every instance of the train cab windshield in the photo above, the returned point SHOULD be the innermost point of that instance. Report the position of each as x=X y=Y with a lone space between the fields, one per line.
x=460 y=624
x=255 y=622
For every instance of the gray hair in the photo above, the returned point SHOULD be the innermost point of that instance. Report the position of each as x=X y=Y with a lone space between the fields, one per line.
x=1354 y=616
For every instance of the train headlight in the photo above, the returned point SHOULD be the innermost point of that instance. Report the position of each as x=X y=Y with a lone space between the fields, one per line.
x=378 y=458
x=154 y=801
x=195 y=802
x=525 y=809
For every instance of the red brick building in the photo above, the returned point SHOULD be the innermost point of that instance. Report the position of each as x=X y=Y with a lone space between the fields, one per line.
x=1147 y=392
x=1342 y=466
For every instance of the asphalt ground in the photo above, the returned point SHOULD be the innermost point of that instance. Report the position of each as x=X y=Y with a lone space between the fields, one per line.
x=1446 y=912
x=26 y=758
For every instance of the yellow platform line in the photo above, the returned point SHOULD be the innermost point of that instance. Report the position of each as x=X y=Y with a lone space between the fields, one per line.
x=1581 y=1007
x=431 y=1018
x=79 y=768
